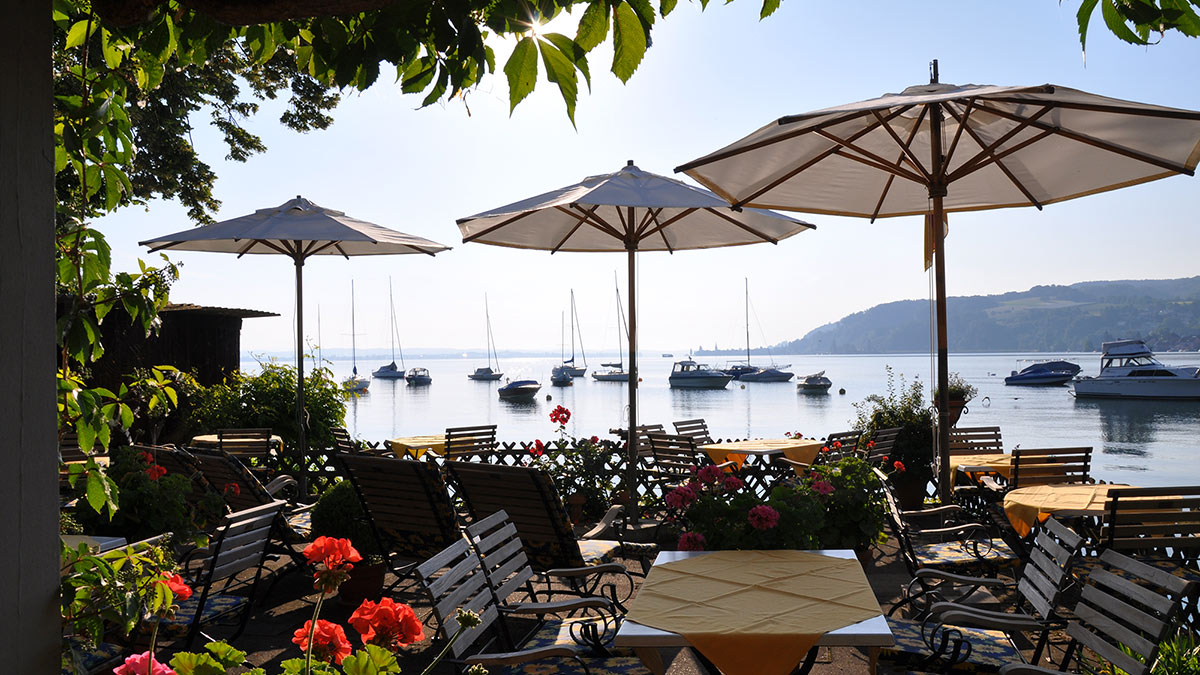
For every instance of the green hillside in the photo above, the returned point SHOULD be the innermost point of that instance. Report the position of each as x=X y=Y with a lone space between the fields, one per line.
x=1078 y=317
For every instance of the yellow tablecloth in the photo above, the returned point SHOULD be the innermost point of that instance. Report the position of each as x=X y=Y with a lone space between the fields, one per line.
x=1030 y=505
x=754 y=612
x=798 y=450
x=417 y=446
x=213 y=441
x=995 y=463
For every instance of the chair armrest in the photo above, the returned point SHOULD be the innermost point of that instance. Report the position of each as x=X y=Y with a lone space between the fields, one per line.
x=606 y=568
x=607 y=523
x=279 y=483
x=793 y=463
x=513 y=658
x=929 y=573
x=726 y=465
x=951 y=529
x=957 y=615
x=569 y=605
x=991 y=483
x=1026 y=669
x=937 y=511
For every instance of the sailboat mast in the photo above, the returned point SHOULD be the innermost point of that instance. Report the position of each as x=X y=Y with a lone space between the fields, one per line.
x=392 y=318
x=747 y=321
x=491 y=342
x=574 y=324
x=353 y=332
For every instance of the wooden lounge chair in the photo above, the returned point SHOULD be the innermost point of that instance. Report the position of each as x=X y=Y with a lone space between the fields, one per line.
x=454 y=579
x=406 y=505
x=1125 y=613
x=475 y=443
x=241 y=489
x=697 y=429
x=1050 y=466
x=531 y=500
x=674 y=460
x=252 y=446
x=239 y=544
x=841 y=444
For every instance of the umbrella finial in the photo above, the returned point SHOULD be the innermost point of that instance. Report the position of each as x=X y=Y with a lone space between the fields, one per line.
x=933 y=72
x=629 y=162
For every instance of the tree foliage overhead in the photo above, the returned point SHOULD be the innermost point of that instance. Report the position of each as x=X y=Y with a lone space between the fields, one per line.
x=1140 y=21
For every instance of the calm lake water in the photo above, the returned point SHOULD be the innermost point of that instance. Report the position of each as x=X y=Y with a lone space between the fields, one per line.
x=1137 y=442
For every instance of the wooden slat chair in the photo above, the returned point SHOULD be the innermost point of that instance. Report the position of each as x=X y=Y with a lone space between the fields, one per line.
x=880 y=445
x=512 y=582
x=975 y=441
x=1125 y=613
x=1050 y=466
x=406 y=504
x=238 y=545
x=454 y=579
x=241 y=489
x=183 y=463
x=841 y=444
x=943 y=538
x=532 y=501
x=697 y=429
x=252 y=446
x=1045 y=578
x=673 y=462
x=473 y=443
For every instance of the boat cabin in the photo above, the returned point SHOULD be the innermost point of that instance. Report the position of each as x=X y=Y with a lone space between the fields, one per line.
x=689 y=367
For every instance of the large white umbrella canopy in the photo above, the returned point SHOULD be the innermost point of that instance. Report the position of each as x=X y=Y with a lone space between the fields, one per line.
x=298 y=229
x=627 y=211
x=937 y=148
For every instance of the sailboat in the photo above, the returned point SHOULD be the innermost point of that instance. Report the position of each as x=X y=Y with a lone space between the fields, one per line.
x=487 y=374
x=770 y=374
x=354 y=383
x=616 y=370
x=560 y=375
x=391 y=371
x=570 y=363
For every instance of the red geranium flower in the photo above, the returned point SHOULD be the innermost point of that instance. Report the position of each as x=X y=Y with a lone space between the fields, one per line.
x=146 y=457
x=899 y=466
x=681 y=497
x=732 y=484
x=143 y=664
x=233 y=489
x=331 y=552
x=824 y=448
x=594 y=439
x=387 y=624
x=885 y=459
x=155 y=472
x=329 y=641
x=709 y=475
x=837 y=444
x=870 y=444
x=538 y=449
x=175 y=582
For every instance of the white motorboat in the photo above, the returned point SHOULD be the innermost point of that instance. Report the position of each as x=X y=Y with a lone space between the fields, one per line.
x=519 y=390
x=816 y=383
x=1129 y=370
x=688 y=374
x=486 y=374
x=418 y=376
x=561 y=376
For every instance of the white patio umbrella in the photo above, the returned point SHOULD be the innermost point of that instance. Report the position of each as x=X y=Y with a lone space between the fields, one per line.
x=297 y=229
x=936 y=148
x=627 y=211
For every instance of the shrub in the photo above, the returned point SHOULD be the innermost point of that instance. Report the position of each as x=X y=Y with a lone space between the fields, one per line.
x=338 y=514
x=853 y=500
x=906 y=409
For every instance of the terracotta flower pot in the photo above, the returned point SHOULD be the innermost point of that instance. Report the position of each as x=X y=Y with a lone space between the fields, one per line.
x=910 y=493
x=958 y=406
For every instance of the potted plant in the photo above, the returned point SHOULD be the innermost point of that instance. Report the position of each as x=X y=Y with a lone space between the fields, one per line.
x=854 y=508
x=581 y=468
x=959 y=392
x=338 y=514
x=910 y=463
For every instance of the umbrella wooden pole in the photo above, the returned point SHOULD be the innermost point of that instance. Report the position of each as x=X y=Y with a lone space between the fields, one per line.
x=937 y=191
x=631 y=440
x=301 y=445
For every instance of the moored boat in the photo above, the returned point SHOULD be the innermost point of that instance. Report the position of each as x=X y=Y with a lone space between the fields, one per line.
x=418 y=376
x=688 y=374
x=816 y=383
x=389 y=372
x=1128 y=369
x=519 y=390
x=1044 y=373
x=561 y=376
x=767 y=375
x=486 y=374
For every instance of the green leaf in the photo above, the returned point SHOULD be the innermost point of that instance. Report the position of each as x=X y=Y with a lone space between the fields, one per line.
x=521 y=70
x=561 y=71
x=593 y=26
x=126 y=416
x=371 y=660
x=1116 y=23
x=630 y=41
x=768 y=8
x=666 y=7
x=112 y=53
x=573 y=51
x=226 y=654
x=185 y=663
x=61 y=158
x=80 y=32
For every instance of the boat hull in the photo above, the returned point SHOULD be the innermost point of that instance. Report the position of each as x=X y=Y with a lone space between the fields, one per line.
x=1178 y=388
x=767 y=375
x=610 y=377
x=485 y=375
x=576 y=372
x=1040 y=380
x=386 y=373
x=523 y=392
x=418 y=380
x=700 y=382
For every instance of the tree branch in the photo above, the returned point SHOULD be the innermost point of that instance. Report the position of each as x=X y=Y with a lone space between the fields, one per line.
x=238 y=12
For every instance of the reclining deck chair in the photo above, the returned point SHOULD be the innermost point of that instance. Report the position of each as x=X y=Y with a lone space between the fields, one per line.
x=241 y=489
x=531 y=500
x=406 y=505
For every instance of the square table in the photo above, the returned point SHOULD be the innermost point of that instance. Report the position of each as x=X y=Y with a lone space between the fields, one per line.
x=975 y=465
x=647 y=642
x=1029 y=506
x=796 y=449
x=417 y=446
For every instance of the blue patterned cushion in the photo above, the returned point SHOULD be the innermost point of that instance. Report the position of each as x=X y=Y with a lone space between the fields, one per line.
x=600 y=551
x=216 y=607
x=90 y=658
x=558 y=633
x=990 y=649
x=613 y=665
x=958 y=554
x=301 y=524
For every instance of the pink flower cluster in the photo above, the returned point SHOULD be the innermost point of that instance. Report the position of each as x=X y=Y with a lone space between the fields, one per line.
x=691 y=541
x=710 y=475
x=823 y=487
x=681 y=497
x=763 y=517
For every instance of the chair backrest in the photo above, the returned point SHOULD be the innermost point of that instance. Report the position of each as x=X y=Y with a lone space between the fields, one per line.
x=975 y=441
x=245 y=443
x=471 y=442
x=1050 y=466
x=1164 y=521
x=69 y=450
x=462 y=585
x=532 y=502
x=406 y=504
x=674 y=456
x=881 y=443
x=342 y=442
x=502 y=554
x=182 y=462
x=642 y=433
x=1126 y=611
x=240 y=542
x=231 y=479
x=697 y=429
x=1047 y=574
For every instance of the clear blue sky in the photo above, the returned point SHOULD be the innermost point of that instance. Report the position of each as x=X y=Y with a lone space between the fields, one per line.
x=710 y=78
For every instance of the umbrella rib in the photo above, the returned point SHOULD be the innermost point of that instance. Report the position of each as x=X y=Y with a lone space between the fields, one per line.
x=162 y=246
x=421 y=250
x=313 y=249
x=987 y=152
x=879 y=162
x=649 y=219
x=737 y=204
x=882 y=166
x=495 y=227
x=887 y=186
x=742 y=225
x=338 y=246
x=905 y=151
x=578 y=224
x=966 y=116
x=1088 y=140
x=662 y=227
x=995 y=159
x=269 y=244
x=593 y=219
x=1115 y=109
